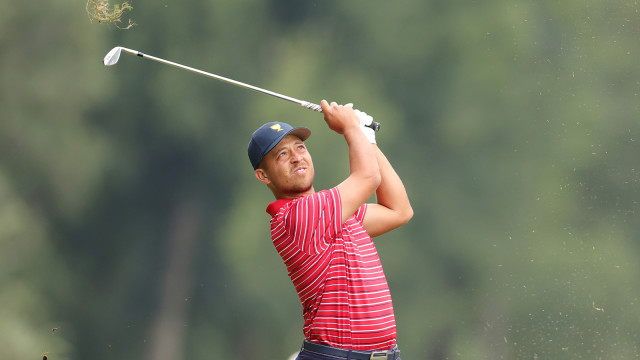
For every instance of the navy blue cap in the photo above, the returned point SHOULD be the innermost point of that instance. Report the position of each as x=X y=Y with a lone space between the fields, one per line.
x=268 y=136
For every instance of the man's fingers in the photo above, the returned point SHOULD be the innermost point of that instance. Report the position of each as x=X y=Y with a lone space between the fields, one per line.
x=324 y=105
x=334 y=104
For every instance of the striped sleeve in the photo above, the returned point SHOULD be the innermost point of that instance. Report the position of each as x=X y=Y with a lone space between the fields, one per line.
x=313 y=221
x=360 y=213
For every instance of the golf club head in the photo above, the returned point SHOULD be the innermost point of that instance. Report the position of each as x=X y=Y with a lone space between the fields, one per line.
x=112 y=57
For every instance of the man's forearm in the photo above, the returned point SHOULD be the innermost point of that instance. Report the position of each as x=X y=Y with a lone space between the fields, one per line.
x=391 y=193
x=360 y=161
x=364 y=176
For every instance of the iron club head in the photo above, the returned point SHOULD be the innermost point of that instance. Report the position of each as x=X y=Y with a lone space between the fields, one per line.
x=112 y=57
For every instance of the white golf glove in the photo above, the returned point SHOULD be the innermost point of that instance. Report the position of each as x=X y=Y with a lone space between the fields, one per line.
x=365 y=120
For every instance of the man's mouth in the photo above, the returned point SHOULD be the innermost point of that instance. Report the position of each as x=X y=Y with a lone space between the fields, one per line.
x=300 y=170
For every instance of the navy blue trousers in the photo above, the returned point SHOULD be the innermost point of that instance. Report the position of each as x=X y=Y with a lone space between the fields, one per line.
x=307 y=355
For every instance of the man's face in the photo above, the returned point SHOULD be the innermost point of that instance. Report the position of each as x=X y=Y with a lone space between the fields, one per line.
x=287 y=169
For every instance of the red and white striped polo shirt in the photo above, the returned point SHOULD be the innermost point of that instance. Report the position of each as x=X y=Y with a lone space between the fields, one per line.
x=336 y=271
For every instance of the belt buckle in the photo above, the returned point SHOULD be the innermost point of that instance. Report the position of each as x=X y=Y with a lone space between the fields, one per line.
x=377 y=355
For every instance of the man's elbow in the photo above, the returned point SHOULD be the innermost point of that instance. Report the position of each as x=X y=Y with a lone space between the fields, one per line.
x=400 y=218
x=377 y=179
x=405 y=215
x=372 y=180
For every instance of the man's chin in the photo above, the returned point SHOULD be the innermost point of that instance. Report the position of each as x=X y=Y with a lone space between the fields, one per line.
x=301 y=189
x=305 y=189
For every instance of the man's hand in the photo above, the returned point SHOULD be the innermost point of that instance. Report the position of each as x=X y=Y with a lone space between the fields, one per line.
x=340 y=118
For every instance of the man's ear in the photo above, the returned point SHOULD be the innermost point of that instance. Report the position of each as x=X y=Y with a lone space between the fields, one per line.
x=262 y=176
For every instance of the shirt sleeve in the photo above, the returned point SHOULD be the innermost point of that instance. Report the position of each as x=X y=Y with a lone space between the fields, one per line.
x=313 y=221
x=360 y=213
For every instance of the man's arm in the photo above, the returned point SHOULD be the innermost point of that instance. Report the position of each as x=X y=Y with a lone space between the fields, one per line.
x=364 y=173
x=393 y=208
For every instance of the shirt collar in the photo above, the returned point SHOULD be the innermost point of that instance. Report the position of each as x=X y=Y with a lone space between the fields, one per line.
x=275 y=206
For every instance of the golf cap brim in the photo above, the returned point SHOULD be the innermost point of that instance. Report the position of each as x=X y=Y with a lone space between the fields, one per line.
x=268 y=136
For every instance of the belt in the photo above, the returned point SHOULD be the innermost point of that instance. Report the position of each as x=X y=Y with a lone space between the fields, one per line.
x=392 y=354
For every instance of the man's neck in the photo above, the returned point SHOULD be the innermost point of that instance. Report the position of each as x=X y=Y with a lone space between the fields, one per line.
x=290 y=196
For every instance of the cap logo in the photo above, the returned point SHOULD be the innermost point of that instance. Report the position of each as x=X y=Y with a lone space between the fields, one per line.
x=276 y=127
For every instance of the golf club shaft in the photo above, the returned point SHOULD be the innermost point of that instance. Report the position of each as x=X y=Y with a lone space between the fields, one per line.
x=374 y=125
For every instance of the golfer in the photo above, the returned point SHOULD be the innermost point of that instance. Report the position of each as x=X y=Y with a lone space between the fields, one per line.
x=324 y=238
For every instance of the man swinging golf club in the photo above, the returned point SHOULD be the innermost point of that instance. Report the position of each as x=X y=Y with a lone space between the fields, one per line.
x=324 y=238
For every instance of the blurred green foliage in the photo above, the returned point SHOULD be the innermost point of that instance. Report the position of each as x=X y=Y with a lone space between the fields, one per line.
x=130 y=220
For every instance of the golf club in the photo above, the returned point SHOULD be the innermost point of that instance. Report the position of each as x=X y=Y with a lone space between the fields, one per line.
x=112 y=58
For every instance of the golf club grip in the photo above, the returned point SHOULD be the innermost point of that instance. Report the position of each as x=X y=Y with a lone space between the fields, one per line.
x=315 y=107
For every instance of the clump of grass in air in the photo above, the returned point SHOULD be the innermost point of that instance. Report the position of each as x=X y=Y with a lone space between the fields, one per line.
x=103 y=12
